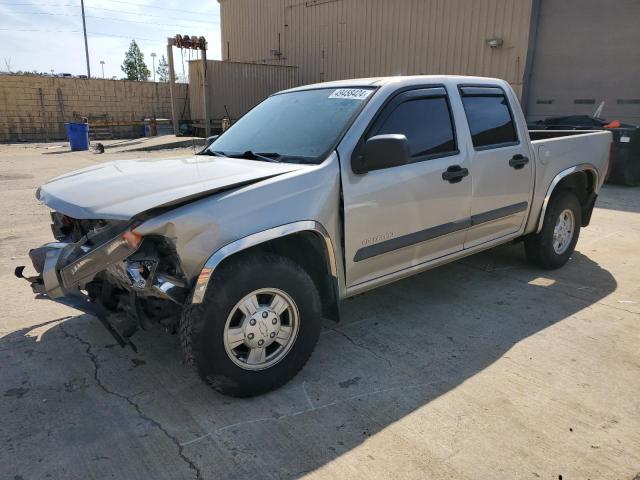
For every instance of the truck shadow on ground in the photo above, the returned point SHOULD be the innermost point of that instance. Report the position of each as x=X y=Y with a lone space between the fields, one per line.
x=397 y=349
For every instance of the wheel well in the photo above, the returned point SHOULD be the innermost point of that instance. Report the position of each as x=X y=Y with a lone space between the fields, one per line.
x=308 y=250
x=582 y=184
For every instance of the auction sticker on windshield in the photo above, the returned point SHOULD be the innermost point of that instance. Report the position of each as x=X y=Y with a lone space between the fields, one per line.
x=354 y=93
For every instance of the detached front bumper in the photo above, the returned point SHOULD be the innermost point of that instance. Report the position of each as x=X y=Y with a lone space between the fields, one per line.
x=48 y=260
x=106 y=277
x=65 y=269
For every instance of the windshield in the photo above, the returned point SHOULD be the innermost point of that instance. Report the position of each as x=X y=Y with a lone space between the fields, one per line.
x=298 y=127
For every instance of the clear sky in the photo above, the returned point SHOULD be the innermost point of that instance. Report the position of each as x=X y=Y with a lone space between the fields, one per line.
x=47 y=35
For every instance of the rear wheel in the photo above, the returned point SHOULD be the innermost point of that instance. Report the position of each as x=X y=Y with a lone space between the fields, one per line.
x=256 y=327
x=554 y=245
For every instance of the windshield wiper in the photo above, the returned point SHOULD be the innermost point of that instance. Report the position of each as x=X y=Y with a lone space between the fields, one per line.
x=249 y=155
x=214 y=153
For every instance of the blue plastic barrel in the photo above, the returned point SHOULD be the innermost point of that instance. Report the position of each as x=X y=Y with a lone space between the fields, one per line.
x=78 y=135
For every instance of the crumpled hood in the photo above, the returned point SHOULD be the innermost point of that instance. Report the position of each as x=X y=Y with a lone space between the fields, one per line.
x=125 y=188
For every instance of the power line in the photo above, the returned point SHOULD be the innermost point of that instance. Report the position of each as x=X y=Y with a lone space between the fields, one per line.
x=155 y=7
x=109 y=19
x=97 y=34
x=111 y=10
x=146 y=14
x=38 y=30
x=114 y=1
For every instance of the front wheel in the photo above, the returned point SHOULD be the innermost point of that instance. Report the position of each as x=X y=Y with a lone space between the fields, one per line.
x=256 y=327
x=553 y=246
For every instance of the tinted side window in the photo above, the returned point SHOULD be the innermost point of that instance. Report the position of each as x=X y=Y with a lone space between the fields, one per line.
x=426 y=122
x=489 y=120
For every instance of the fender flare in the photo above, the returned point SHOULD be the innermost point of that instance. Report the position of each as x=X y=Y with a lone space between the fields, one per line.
x=583 y=167
x=255 y=239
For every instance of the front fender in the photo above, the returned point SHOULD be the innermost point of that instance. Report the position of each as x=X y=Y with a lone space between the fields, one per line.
x=258 y=238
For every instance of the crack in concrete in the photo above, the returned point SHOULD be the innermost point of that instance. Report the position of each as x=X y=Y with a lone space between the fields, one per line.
x=96 y=365
x=633 y=312
x=360 y=345
x=306 y=395
x=308 y=410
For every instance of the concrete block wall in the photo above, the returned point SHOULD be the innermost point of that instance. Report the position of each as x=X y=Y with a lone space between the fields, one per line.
x=34 y=108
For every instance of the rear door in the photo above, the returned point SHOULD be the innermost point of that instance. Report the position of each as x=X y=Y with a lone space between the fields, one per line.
x=500 y=165
x=399 y=217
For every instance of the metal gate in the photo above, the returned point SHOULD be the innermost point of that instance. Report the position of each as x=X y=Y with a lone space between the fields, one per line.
x=234 y=88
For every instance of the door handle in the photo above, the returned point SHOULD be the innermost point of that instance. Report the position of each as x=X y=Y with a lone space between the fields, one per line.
x=454 y=174
x=518 y=161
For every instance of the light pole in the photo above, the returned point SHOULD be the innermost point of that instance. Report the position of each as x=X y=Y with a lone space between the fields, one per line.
x=153 y=56
x=102 y=64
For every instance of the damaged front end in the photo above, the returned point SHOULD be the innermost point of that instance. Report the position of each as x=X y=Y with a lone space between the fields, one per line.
x=105 y=268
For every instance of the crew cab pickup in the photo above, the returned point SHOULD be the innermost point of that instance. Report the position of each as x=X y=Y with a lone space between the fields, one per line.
x=317 y=194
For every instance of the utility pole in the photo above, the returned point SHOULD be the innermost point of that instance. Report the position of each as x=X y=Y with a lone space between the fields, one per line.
x=172 y=85
x=102 y=65
x=86 y=45
x=153 y=56
x=205 y=87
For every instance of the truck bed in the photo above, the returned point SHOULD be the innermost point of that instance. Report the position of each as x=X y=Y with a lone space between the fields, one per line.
x=558 y=150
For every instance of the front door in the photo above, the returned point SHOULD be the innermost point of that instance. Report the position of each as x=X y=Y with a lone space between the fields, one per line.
x=399 y=217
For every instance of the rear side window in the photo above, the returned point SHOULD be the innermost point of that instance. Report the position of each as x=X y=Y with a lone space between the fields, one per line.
x=426 y=122
x=490 y=120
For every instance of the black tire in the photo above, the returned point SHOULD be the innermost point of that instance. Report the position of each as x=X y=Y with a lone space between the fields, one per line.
x=202 y=326
x=539 y=247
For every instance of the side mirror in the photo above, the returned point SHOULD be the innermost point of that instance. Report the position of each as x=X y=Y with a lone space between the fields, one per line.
x=382 y=151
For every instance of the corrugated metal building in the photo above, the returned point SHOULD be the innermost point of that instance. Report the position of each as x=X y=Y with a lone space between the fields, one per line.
x=542 y=47
x=335 y=39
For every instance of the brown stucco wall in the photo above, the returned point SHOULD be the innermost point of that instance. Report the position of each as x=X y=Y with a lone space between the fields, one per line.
x=34 y=108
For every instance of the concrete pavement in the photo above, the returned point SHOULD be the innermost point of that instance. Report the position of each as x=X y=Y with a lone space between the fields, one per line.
x=484 y=368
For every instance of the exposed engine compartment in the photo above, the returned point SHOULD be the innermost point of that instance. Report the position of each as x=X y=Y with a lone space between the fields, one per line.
x=71 y=230
x=135 y=282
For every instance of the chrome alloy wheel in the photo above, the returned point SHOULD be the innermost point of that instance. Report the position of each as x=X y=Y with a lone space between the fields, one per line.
x=563 y=231
x=261 y=329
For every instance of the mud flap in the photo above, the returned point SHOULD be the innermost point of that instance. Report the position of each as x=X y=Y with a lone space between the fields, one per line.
x=587 y=209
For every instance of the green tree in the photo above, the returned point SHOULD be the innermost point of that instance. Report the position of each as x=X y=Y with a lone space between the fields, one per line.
x=133 y=65
x=163 y=69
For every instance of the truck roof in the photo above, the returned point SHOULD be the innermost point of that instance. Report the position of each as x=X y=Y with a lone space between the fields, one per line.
x=402 y=80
